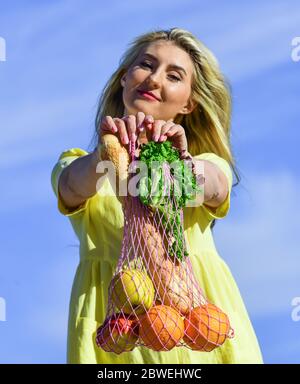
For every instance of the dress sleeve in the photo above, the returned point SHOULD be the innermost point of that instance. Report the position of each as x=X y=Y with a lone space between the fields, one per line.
x=223 y=165
x=64 y=160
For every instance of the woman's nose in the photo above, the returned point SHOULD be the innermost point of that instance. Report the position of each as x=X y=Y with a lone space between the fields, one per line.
x=154 y=80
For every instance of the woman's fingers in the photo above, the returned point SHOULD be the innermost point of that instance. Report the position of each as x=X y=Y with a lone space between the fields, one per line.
x=140 y=117
x=122 y=130
x=143 y=121
x=177 y=136
x=175 y=130
x=108 y=125
x=165 y=128
x=136 y=124
x=144 y=128
x=156 y=129
x=148 y=122
x=131 y=126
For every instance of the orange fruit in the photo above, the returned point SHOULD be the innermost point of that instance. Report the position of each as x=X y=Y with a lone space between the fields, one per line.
x=161 y=328
x=206 y=327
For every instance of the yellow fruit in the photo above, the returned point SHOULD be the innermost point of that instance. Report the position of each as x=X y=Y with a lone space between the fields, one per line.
x=132 y=291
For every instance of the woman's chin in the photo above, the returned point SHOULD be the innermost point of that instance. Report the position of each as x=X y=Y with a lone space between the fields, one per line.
x=142 y=106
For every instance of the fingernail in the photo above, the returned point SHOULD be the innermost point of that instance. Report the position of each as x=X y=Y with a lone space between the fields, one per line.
x=155 y=137
x=125 y=140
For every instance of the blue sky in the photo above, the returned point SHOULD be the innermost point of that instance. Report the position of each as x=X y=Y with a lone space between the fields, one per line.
x=59 y=54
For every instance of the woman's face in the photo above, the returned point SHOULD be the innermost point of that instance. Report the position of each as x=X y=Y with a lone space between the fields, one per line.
x=155 y=71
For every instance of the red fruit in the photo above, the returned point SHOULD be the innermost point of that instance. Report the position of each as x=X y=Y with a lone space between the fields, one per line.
x=119 y=333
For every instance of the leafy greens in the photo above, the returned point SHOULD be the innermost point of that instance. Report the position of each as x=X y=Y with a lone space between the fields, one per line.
x=167 y=186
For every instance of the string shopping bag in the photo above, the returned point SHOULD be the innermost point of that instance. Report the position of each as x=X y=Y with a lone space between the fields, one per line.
x=154 y=298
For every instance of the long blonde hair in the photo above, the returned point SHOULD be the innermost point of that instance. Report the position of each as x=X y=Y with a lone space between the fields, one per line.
x=208 y=125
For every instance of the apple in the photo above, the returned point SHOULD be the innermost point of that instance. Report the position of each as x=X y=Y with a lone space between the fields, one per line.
x=119 y=333
x=132 y=291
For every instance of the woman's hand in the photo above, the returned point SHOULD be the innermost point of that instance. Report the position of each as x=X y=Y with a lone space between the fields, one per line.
x=127 y=128
x=168 y=130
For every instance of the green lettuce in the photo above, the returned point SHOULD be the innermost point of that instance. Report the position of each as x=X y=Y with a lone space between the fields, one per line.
x=167 y=186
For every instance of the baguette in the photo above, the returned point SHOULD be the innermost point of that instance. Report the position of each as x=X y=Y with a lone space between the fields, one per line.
x=112 y=150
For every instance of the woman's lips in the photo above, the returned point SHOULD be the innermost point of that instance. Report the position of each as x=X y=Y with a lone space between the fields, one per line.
x=147 y=96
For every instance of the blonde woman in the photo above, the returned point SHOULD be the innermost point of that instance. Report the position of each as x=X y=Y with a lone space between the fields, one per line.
x=168 y=87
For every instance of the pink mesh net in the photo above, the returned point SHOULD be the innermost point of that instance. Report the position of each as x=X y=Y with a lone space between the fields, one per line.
x=154 y=298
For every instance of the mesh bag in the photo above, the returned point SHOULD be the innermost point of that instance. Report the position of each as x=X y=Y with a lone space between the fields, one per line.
x=154 y=299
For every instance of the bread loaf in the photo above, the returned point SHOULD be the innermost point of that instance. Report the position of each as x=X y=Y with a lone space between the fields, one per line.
x=112 y=150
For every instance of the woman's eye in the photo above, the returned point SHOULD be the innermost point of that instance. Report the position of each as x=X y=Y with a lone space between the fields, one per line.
x=148 y=65
x=145 y=64
x=175 y=78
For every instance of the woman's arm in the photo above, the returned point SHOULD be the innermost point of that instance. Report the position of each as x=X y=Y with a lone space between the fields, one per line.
x=78 y=180
x=215 y=185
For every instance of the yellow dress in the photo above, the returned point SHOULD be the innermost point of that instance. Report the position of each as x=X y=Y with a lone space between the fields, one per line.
x=98 y=225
